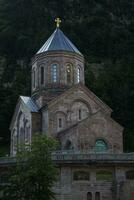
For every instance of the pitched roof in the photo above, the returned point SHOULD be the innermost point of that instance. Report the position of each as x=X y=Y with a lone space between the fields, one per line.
x=58 y=42
x=29 y=103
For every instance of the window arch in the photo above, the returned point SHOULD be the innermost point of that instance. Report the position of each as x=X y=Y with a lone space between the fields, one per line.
x=89 y=196
x=101 y=145
x=54 y=73
x=68 y=73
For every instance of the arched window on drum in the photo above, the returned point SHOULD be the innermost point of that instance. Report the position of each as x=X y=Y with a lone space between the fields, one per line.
x=68 y=74
x=42 y=75
x=54 y=73
x=78 y=75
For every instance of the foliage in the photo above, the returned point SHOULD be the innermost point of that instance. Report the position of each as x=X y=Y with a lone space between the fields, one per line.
x=102 y=30
x=33 y=175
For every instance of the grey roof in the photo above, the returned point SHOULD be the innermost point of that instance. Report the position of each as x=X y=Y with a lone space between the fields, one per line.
x=58 y=42
x=30 y=104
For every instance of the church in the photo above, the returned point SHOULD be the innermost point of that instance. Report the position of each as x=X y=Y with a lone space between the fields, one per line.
x=91 y=162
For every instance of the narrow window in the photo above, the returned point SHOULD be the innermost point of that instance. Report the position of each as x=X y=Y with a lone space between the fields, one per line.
x=14 y=141
x=97 y=196
x=79 y=114
x=60 y=123
x=54 y=73
x=27 y=133
x=89 y=196
x=22 y=136
x=68 y=73
x=78 y=75
x=42 y=75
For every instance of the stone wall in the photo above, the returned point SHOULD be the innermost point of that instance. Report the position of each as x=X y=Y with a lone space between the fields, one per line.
x=102 y=179
x=83 y=131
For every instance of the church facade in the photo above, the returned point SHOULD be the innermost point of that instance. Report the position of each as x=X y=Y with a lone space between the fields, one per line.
x=91 y=162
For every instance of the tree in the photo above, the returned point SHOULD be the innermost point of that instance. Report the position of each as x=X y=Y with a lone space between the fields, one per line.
x=34 y=174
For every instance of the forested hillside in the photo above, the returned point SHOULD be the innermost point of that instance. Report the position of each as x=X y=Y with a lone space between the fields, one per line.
x=103 y=30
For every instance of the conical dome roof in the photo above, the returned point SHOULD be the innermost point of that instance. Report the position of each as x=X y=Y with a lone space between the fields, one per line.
x=58 y=42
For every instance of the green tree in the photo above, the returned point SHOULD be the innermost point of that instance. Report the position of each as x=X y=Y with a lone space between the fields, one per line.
x=34 y=174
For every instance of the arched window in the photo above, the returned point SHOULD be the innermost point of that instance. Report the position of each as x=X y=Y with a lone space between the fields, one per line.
x=100 y=146
x=54 y=73
x=78 y=75
x=89 y=196
x=42 y=75
x=22 y=136
x=130 y=175
x=14 y=141
x=60 y=123
x=27 y=132
x=68 y=145
x=79 y=110
x=80 y=114
x=81 y=176
x=97 y=196
x=68 y=74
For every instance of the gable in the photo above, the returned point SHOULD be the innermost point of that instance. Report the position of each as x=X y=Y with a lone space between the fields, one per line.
x=81 y=93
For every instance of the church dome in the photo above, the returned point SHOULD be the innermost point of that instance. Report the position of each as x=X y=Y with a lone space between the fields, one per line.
x=57 y=66
x=58 y=42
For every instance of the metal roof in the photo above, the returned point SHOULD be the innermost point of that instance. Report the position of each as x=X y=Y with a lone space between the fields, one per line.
x=58 y=42
x=29 y=103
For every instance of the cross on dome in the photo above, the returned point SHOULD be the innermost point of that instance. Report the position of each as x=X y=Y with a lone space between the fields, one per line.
x=58 y=21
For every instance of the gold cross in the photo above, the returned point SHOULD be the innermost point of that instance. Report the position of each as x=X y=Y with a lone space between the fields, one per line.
x=58 y=21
